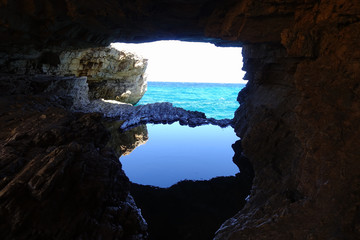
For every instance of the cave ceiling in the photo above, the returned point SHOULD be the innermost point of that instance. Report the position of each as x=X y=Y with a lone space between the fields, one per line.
x=76 y=24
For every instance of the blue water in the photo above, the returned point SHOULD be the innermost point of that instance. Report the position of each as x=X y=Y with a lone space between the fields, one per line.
x=174 y=153
x=216 y=100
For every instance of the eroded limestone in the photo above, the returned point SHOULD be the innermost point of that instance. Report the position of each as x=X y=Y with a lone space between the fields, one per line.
x=299 y=114
x=111 y=74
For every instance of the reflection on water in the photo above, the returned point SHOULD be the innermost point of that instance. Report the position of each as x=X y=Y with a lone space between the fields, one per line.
x=123 y=143
x=174 y=153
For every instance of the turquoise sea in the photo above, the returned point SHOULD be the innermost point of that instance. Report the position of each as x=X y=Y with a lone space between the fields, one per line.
x=173 y=152
x=216 y=100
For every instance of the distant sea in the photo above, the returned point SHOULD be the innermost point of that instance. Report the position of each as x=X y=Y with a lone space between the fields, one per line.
x=216 y=100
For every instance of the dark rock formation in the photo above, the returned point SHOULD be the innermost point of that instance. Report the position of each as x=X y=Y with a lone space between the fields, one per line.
x=191 y=210
x=297 y=121
x=299 y=114
x=163 y=112
x=57 y=178
x=68 y=92
x=124 y=142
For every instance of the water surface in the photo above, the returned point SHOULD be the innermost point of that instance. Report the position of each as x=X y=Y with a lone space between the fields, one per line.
x=174 y=153
x=216 y=100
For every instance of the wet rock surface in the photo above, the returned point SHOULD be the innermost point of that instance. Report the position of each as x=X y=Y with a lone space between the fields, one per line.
x=163 y=112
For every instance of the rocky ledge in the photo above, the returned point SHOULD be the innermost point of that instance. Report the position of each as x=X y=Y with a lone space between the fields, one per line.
x=111 y=74
x=73 y=93
x=163 y=112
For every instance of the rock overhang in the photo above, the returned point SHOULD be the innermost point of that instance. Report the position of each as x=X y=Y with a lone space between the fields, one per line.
x=61 y=24
x=301 y=60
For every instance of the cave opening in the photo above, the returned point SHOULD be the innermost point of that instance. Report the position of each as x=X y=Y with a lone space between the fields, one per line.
x=181 y=61
x=82 y=81
x=169 y=173
x=196 y=77
x=298 y=118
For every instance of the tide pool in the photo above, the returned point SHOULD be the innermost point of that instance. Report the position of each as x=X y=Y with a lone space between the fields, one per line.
x=174 y=153
x=216 y=100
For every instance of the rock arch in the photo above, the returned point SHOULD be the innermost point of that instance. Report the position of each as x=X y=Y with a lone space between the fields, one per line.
x=299 y=114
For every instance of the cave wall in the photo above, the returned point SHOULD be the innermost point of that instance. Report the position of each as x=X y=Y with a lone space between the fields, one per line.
x=299 y=113
x=58 y=179
x=298 y=123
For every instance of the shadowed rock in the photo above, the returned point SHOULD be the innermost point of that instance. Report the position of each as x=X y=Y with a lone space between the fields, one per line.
x=124 y=142
x=299 y=114
x=57 y=178
x=191 y=210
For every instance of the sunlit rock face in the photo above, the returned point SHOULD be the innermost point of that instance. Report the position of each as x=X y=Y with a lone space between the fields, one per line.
x=111 y=74
x=299 y=115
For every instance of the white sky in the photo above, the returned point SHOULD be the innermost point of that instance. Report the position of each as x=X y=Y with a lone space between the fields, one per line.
x=176 y=61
